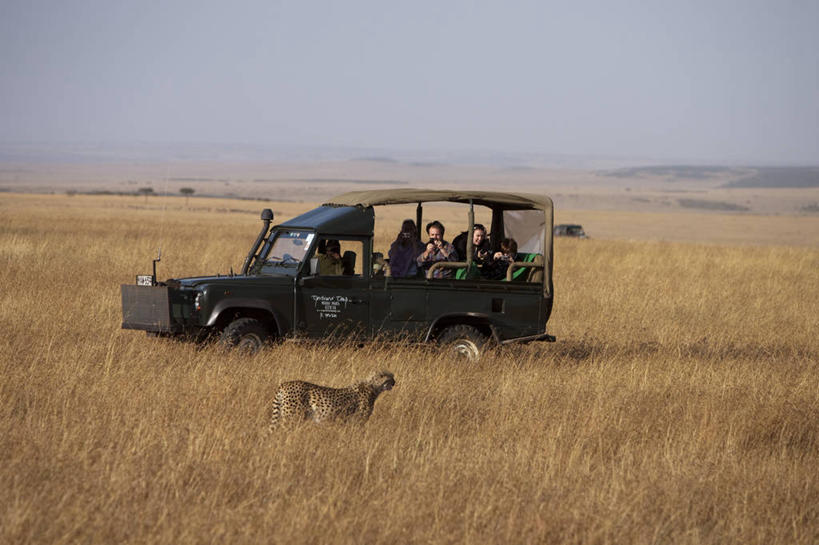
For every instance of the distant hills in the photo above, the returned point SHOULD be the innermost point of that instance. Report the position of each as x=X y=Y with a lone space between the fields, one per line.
x=674 y=172
x=15 y=154
x=150 y=152
x=778 y=177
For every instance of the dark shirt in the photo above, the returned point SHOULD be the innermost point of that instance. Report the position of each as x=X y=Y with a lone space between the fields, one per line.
x=495 y=269
x=402 y=258
x=460 y=246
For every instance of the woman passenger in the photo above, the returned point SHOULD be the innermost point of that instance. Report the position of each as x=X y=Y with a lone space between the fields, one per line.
x=404 y=250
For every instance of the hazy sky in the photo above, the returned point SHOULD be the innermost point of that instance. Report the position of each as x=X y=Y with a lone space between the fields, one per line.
x=719 y=81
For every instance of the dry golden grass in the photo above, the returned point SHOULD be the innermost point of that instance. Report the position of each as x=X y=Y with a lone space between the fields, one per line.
x=680 y=404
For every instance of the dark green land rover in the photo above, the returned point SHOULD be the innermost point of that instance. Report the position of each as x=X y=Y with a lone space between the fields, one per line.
x=281 y=293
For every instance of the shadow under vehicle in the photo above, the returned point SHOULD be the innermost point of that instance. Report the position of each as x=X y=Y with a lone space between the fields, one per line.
x=570 y=230
x=281 y=291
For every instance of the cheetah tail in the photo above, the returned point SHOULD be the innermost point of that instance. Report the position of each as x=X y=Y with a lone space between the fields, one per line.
x=276 y=413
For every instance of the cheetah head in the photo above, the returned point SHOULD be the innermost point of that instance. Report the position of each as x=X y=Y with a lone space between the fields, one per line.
x=382 y=381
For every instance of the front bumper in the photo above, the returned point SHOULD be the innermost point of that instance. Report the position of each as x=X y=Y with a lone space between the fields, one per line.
x=162 y=309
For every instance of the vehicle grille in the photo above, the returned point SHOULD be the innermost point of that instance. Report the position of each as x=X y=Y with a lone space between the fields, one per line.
x=146 y=307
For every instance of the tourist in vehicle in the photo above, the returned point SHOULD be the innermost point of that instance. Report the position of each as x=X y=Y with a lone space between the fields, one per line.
x=330 y=263
x=480 y=245
x=497 y=267
x=437 y=250
x=403 y=251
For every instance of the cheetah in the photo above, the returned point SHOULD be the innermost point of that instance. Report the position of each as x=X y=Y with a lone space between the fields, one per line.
x=297 y=401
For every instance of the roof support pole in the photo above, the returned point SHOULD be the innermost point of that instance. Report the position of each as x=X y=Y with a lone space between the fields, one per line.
x=419 y=214
x=469 y=236
x=497 y=229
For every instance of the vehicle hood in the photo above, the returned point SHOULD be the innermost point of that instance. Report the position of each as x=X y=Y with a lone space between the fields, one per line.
x=196 y=281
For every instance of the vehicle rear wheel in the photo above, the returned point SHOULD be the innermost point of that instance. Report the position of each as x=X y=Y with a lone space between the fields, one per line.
x=465 y=341
x=245 y=334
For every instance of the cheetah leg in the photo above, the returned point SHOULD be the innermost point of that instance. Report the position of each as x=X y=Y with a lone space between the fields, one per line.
x=311 y=414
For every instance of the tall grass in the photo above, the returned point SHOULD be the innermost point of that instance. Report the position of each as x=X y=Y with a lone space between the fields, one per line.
x=680 y=403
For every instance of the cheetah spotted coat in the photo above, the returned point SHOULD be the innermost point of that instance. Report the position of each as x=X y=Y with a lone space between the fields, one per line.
x=296 y=401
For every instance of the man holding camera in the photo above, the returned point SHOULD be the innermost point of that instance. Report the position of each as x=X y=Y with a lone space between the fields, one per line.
x=437 y=249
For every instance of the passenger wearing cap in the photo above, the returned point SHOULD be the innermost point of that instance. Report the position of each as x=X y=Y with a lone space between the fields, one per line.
x=330 y=261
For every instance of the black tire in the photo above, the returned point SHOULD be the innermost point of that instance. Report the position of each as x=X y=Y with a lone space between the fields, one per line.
x=465 y=341
x=246 y=334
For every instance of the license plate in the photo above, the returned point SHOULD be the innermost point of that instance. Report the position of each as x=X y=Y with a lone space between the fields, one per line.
x=145 y=280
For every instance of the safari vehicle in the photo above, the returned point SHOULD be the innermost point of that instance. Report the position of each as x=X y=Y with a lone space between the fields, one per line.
x=280 y=292
x=570 y=230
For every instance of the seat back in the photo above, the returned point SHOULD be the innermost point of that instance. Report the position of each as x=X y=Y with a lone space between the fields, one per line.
x=529 y=274
x=536 y=275
x=348 y=262
x=523 y=274
x=463 y=274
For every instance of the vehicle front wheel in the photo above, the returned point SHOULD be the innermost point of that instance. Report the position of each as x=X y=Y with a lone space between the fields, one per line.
x=245 y=334
x=465 y=341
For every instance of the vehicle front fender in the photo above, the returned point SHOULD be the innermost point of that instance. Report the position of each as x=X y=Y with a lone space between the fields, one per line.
x=228 y=305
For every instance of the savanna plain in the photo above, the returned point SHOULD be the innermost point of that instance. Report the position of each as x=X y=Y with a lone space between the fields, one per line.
x=680 y=403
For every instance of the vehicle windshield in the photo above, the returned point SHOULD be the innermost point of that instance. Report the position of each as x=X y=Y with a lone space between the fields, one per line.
x=285 y=254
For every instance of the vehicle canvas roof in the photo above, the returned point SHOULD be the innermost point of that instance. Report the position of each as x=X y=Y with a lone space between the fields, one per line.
x=347 y=214
x=492 y=199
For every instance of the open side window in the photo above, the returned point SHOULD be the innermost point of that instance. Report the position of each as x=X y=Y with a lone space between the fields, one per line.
x=525 y=226
x=339 y=257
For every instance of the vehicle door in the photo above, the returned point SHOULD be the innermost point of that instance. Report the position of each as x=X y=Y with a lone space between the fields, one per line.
x=399 y=308
x=333 y=295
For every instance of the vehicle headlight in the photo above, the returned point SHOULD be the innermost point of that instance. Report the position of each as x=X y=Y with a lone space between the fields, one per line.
x=197 y=301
